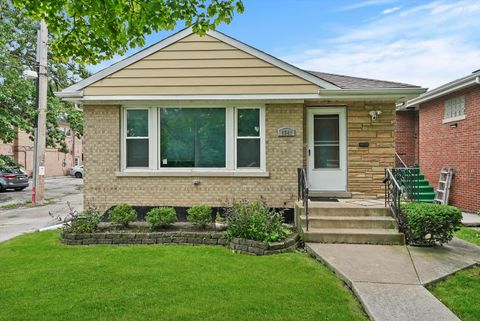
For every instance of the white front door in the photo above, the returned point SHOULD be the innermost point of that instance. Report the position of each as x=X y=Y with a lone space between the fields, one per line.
x=327 y=149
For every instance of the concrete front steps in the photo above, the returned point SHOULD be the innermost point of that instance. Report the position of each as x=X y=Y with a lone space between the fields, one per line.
x=346 y=223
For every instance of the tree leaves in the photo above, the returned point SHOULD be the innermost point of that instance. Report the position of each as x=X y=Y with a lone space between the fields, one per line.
x=92 y=31
x=18 y=35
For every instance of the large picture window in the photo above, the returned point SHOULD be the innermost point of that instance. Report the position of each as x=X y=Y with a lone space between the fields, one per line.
x=193 y=138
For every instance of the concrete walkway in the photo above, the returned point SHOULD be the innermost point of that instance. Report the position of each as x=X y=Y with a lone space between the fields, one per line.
x=471 y=220
x=389 y=280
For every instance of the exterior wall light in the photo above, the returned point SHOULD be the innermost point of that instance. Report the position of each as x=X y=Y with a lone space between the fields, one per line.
x=374 y=114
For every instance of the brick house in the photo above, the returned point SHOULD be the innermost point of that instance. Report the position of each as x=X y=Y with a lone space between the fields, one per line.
x=57 y=163
x=441 y=128
x=193 y=120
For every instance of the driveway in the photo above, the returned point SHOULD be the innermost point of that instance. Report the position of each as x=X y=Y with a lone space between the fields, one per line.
x=61 y=191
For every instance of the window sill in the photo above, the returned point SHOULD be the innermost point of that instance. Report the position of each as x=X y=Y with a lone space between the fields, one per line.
x=449 y=120
x=192 y=173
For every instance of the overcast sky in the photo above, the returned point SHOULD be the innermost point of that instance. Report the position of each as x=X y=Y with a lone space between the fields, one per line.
x=425 y=43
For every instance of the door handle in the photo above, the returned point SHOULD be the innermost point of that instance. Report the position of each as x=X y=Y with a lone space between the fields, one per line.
x=309 y=152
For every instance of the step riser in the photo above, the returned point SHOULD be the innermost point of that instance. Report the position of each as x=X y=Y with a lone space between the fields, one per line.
x=325 y=223
x=354 y=238
x=315 y=211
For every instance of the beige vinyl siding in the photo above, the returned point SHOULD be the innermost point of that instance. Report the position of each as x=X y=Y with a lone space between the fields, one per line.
x=200 y=65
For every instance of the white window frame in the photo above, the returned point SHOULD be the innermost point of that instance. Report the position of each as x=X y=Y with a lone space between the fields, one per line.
x=155 y=168
x=261 y=137
x=452 y=104
x=152 y=141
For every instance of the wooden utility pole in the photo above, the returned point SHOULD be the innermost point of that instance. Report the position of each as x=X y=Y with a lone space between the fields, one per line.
x=40 y=130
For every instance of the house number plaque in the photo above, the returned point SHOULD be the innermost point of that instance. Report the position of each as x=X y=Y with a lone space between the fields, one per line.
x=286 y=132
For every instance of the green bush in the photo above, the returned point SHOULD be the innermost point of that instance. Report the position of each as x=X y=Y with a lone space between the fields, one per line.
x=84 y=222
x=122 y=214
x=7 y=162
x=200 y=215
x=255 y=221
x=428 y=224
x=161 y=217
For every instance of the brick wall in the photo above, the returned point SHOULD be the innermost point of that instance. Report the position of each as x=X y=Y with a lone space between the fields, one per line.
x=284 y=155
x=406 y=136
x=104 y=189
x=458 y=147
x=56 y=163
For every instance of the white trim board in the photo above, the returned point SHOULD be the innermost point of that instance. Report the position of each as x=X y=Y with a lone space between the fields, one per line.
x=182 y=34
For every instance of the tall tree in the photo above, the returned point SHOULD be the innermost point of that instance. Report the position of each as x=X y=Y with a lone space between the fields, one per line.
x=18 y=37
x=95 y=30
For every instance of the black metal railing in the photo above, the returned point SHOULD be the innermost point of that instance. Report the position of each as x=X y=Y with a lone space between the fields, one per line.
x=303 y=192
x=407 y=178
x=393 y=197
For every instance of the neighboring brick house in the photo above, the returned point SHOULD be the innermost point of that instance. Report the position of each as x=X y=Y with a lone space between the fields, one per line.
x=57 y=163
x=194 y=120
x=441 y=128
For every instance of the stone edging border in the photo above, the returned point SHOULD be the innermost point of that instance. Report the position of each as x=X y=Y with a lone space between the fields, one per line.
x=182 y=238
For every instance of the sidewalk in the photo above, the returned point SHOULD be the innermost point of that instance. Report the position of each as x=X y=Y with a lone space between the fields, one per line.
x=389 y=280
x=471 y=220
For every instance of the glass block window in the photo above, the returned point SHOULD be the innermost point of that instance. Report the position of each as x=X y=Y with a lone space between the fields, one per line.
x=455 y=107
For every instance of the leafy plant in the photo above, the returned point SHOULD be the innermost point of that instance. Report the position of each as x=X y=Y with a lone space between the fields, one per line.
x=200 y=215
x=161 y=217
x=428 y=224
x=8 y=162
x=122 y=214
x=80 y=222
x=255 y=221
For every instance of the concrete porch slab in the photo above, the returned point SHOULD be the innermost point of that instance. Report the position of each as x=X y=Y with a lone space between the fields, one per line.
x=400 y=302
x=435 y=263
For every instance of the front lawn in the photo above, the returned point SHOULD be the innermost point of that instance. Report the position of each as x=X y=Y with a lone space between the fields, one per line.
x=461 y=293
x=469 y=235
x=42 y=279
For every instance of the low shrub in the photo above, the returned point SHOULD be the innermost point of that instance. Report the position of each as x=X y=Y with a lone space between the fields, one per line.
x=161 y=217
x=428 y=224
x=84 y=222
x=200 y=215
x=255 y=221
x=122 y=214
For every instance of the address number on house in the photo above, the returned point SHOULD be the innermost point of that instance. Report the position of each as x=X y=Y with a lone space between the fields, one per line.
x=286 y=132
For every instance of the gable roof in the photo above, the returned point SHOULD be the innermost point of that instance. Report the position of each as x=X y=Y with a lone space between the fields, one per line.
x=348 y=82
x=74 y=89
x=458 y=84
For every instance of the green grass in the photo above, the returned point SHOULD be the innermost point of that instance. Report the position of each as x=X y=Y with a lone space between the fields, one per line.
x=469 y=235
x=461 y=293
x=41 y=279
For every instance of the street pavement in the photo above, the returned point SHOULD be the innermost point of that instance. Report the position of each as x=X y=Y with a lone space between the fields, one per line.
x=62 y=191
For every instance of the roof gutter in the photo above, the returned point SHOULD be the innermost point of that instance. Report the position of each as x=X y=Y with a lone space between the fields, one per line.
x=444 y=90
x=69 y=94
x=397 y=94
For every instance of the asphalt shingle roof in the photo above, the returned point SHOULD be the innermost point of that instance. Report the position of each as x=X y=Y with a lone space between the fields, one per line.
x=348 y=82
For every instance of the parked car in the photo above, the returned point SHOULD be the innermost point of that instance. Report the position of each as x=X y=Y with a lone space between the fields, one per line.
x=13 y=178
x=77 y=171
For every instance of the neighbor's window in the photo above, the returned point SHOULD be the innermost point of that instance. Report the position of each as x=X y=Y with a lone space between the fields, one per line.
x=248 y=137
x=137 y=138
x=455 y=107
x=192 y=137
